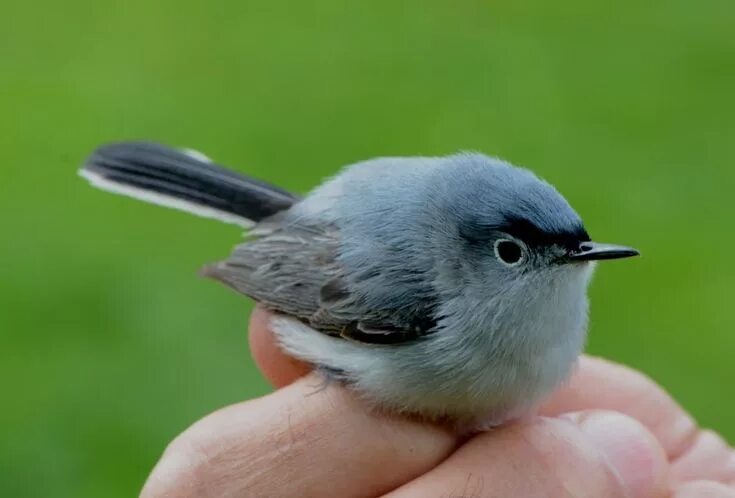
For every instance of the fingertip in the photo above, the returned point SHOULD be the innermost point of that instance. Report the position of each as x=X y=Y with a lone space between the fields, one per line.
x=709 y=457
x=276 y=366
x=634 y=454
x=601 y=384
x=592 y=453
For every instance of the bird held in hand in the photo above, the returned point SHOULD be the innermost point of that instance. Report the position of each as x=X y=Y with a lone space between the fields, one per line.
x=451 y=288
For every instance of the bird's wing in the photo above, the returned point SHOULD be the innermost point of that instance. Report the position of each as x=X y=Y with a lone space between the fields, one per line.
x=293 y=269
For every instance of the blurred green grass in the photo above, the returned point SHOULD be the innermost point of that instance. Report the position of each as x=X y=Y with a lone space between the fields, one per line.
x=112 y=345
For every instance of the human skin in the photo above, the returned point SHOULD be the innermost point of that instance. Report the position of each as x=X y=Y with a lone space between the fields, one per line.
x=610 y=432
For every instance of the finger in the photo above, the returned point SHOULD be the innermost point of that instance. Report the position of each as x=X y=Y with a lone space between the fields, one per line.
x=600 y=454
x=597 y=384
x=298 y=441
x=601 y=384
x=704 y=489
x=709 y=457
x=279 y=369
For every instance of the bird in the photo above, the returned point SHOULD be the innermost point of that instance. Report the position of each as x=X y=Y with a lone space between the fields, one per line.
x=449 y=288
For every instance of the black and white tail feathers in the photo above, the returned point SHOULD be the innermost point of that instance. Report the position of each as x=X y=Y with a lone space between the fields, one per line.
x=185 y=180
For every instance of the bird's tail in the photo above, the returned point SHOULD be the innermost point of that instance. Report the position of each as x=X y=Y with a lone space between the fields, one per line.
x=185 y=180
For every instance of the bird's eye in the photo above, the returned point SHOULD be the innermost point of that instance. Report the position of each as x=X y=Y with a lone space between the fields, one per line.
x=508 y=251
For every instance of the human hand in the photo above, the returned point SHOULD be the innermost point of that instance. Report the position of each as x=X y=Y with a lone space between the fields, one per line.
x=611 y=432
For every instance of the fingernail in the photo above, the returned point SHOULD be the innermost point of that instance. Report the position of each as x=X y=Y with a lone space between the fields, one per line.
x=630 y=449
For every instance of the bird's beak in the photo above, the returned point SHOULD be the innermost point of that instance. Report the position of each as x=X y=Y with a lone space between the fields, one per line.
x=592 y=251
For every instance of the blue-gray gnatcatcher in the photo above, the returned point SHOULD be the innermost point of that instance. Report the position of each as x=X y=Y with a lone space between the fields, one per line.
x=447 y=287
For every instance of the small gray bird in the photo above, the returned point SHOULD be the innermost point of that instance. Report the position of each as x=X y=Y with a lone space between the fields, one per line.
x=453 y=288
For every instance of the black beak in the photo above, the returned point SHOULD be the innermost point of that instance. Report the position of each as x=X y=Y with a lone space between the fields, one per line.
x=592 y=251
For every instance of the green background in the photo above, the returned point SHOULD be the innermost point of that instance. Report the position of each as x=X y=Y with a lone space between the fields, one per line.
x=111 y=345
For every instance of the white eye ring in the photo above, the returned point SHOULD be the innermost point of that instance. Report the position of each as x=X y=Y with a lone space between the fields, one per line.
x=509 y=252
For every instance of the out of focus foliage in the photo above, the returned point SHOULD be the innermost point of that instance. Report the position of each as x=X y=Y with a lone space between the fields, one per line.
x=110 y=343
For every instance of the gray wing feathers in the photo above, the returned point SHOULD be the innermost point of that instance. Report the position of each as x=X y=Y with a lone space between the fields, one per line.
x=285 y=270
x=294 y=270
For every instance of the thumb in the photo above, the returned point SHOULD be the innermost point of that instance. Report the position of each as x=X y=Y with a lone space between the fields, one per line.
x=631 y=452
x=592 y=453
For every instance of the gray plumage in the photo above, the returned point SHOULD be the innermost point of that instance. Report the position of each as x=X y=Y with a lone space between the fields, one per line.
x=449 y=287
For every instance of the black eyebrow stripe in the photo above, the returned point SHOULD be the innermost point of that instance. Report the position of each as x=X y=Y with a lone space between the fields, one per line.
x=530 y=233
